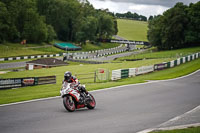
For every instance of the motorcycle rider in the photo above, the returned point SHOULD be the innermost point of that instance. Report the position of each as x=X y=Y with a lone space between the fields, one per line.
x=72 y=79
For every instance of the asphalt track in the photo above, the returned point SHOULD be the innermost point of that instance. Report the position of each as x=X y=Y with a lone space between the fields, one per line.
x=125 y=109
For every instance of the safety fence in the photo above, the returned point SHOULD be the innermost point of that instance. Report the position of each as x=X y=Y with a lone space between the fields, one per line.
x=28 y=81
x=99 y=75
x=125 y=73
x=31 y=57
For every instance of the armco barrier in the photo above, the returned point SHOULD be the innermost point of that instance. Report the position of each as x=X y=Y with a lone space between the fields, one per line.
x=122 y=73
x=144 y=69
x=116 y=74
x=160 y=66
x=178 y=61
x=172 y=63
x=131 y=72
x=30 y=57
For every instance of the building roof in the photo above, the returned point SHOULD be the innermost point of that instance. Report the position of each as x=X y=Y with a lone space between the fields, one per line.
x=47 y=62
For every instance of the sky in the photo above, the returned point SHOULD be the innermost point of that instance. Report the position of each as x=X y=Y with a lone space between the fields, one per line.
x=142 y=7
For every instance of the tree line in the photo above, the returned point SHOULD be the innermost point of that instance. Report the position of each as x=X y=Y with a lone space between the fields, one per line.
x=43 y=20
x=178 y=27
x=130 y=15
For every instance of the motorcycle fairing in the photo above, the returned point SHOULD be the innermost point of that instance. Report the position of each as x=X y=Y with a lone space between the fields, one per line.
x=67 y=89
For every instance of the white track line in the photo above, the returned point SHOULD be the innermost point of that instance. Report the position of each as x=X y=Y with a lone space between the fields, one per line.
x=181 y=116
x=170 y=128
x=174 y=119
x=35 y=100
x=154 y=81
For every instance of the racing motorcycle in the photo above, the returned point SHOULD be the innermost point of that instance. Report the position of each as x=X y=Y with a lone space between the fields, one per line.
x=74 y=98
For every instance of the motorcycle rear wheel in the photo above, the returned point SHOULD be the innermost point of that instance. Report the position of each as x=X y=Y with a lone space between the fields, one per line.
x=69 y=103
x=92 y=102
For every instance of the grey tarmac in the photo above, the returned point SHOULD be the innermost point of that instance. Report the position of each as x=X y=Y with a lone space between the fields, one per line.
x=125 y=109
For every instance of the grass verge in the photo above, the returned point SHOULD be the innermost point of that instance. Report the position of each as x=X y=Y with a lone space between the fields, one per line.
x=91 y=47
x=163 y=54
x=187 y=130
x=16 y=49
x=43 y=91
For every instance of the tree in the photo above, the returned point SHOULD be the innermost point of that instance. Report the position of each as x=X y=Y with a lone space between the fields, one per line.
x=43 y=20
x=129 y=15
x=105 y=26
x=150 y=18
x=4 y=22
x=35 y=30
x=192 y=35
x=51 y=34
x=178 y=27
x=175 y=21
x=155 y=28
x=88 y=30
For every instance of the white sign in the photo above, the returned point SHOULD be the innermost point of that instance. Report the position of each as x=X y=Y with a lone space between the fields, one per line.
x=116 y=74
x=30 y=67
x=144 y=69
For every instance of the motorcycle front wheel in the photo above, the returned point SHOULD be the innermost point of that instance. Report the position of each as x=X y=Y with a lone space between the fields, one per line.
x=69 y=103
x=91 y=103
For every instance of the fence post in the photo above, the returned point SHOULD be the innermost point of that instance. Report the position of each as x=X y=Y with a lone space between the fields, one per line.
x=95 y=75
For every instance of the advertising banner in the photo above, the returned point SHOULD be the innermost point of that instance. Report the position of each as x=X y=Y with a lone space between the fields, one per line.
x=10 y=83
x=144 y=69
x=124 y=41
x=124 y=73
x=160 y=66
x=28 y=81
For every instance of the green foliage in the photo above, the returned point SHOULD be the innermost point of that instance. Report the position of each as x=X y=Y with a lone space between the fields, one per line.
x=91 y=47
x=51 y=34
x=4 y=27
x=187 y=130
x=19 y=20
x=192 y=35
x=106 y=26
x=43 y=20
x=35 y=30
x=129 y=15
x=88 y=30
x=178 y=27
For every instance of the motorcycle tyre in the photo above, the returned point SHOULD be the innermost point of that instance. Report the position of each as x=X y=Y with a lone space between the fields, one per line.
x=89 y=106
x=70 y=108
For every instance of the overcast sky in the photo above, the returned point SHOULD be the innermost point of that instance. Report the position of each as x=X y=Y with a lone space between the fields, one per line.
x=142 y=7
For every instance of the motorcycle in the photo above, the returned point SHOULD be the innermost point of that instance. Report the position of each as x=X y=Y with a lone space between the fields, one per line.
x=74 y=99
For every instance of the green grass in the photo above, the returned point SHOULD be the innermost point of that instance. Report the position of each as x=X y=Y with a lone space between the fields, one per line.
x=132 y=29
x=163 y=54
x=15 y=49
x=187 y=130
x=28 y=93
x=90 y=47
